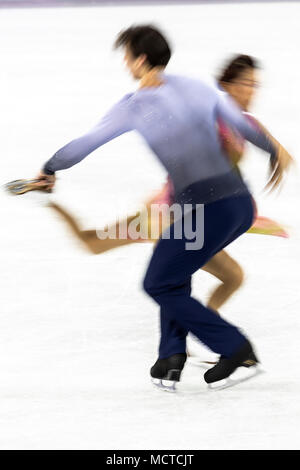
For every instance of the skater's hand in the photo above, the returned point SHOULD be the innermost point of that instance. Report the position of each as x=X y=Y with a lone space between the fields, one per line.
x=278 y=167
x=46 y=181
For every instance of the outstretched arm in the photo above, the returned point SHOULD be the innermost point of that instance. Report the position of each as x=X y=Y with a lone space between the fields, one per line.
x=116 y=122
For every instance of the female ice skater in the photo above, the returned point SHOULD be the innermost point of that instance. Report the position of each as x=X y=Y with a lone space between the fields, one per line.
x=177 y=118
x=239 y=79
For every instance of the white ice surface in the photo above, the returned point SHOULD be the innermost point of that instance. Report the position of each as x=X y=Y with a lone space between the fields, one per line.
x=77 y=333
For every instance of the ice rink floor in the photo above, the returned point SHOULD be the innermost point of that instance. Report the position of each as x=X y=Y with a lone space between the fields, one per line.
x=77 y=333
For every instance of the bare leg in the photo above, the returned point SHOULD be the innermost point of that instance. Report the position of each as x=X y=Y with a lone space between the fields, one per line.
x=89 y=237
x=221 y=265
x=229 y=272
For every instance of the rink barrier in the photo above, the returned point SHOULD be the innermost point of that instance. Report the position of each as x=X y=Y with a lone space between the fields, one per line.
x=94 y=3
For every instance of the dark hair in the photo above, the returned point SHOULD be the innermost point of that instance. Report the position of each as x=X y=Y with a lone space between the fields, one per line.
x=146 y=40
x=236 y=66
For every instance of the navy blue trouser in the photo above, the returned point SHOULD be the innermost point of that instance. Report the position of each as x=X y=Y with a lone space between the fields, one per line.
x=168 y=280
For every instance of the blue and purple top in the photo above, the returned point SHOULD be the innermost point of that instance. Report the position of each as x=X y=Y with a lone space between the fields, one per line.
x=178 y=121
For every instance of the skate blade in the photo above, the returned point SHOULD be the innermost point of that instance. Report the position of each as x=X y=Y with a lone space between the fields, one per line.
x=19 y=187
x=165 y=385
x=231 y=382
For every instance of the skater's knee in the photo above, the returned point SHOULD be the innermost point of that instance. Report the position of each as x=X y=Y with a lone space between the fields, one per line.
x=155 y=286
x=150 y=286
x=237 y=277
x=159 y=288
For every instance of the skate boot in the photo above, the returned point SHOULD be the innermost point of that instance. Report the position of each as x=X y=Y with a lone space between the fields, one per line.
x=166 y=372
x=251 y=361
x=198 y=362
x=218 y=377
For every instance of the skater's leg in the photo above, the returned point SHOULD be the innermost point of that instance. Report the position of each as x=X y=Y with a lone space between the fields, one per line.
x=173 y=336
x=225 y=268
x=266 y=226
x=90 y=238
x=172 y=265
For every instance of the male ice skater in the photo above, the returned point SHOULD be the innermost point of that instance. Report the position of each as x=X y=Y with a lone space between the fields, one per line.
x=177 y=118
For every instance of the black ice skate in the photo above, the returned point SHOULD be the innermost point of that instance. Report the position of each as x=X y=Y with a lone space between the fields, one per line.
x=251 y=360
x=218 y=377
x=198 y=362
x=166 y=372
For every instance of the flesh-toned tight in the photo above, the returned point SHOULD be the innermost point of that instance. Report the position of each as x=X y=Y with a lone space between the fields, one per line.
x=222 y=266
